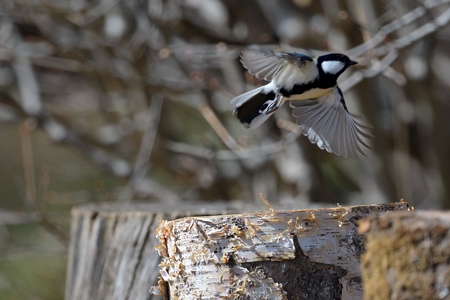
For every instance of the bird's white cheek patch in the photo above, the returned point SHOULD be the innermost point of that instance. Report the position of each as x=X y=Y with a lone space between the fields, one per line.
x=332 y=67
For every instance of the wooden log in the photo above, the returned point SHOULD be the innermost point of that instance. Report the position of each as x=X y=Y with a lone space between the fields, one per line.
x=407 y=256
x=302 y=254
x=112 y=255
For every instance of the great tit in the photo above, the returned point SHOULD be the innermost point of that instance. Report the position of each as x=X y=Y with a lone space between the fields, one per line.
x=310 y=85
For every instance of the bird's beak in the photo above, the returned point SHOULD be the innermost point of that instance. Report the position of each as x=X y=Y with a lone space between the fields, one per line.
x=352 y=62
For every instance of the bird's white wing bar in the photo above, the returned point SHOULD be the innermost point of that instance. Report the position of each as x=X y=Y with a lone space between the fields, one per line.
x=265 y=65
x=327 y=123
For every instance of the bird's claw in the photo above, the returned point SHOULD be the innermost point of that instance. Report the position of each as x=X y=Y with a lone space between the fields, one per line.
x=273 y=105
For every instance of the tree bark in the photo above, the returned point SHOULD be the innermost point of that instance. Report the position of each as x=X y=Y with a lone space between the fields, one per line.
x=407 y=256
x=302 y=254
x=112 y=253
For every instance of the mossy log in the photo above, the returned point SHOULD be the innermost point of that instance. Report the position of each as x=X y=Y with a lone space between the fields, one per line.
x=407 y=256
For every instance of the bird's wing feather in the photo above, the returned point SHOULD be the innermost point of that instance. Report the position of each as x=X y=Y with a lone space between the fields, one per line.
x=265 y=65
x=327 y=123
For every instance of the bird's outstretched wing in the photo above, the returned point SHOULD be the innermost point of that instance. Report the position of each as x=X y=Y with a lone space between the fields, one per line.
x=265 y=65
x=327 y=123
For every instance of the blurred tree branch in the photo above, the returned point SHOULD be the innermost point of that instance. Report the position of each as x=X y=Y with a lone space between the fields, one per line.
x=147 y=83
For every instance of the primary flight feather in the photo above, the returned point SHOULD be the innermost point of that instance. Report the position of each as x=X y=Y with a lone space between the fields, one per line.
x=311 y=86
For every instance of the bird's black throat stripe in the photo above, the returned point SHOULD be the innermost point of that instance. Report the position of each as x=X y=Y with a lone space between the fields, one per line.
x=342 y=99
x=298 y=89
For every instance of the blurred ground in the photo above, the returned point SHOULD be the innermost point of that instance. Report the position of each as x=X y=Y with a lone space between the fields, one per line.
x=124 y=101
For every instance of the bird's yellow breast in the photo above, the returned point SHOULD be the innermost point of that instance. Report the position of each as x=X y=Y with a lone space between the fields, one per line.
x=311 y=94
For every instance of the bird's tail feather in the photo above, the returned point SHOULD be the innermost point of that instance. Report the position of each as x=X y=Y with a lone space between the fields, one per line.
x=251 y=108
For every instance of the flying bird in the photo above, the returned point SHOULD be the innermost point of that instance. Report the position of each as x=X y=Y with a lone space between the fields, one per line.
x=310 y=85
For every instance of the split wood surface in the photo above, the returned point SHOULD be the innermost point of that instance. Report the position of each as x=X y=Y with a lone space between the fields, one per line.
x=301 y=254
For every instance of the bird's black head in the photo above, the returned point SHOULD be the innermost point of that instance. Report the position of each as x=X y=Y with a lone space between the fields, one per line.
x=334 y=64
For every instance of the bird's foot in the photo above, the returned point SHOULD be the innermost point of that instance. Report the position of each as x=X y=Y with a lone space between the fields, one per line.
x=273 y=105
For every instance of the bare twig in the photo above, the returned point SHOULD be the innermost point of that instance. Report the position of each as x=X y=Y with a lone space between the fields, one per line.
x=218 y=127
x=28 y=166
x=405 y=20
x=380 y=67
x=9 y=217
x=442 y=20
x=96 y=12
x=148 y=138
x=244 y=153
x=393 y=47
x=28 y=86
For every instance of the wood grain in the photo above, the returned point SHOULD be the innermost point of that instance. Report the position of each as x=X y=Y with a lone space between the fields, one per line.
x=301 y=254
x=112 y=253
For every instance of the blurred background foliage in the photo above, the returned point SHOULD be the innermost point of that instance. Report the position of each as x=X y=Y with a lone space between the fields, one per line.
x=113 y=100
